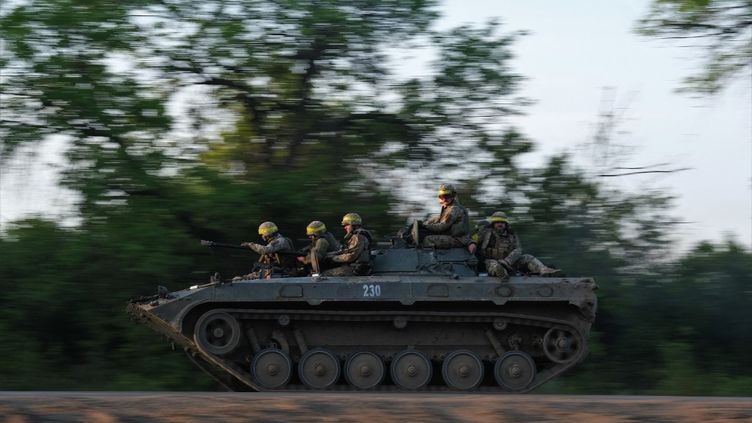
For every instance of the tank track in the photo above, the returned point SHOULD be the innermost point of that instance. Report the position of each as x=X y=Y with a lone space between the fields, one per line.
x=234 y=371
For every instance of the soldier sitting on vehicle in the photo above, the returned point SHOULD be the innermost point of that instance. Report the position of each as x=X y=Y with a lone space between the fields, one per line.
x=322 y=242
x=451 y=227
x=277 y=256
x=503 y=252
x=355 y=258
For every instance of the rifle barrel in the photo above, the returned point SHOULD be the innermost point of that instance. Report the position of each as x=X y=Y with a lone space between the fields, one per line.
x=240 y=247
x=221 y=245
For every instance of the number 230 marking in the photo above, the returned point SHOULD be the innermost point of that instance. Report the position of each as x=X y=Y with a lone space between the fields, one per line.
x=371 y=290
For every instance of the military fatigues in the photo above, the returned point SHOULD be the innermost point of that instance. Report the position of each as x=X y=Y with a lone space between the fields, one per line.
x=356 y=256
x=271 y=261
x=503 y=247
x=450 y=229
x=320 y=246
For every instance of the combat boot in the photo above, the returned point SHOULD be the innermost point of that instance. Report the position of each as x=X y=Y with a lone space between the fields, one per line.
x=547 y=271
x=537 y=267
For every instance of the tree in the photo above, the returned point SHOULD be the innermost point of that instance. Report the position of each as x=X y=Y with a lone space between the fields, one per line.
x=723 y=28
x=190 y=120
x=276 y=94
x=201 y=119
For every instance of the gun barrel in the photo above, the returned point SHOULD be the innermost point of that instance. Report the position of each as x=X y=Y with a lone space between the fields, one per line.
x=221 y=245
x=206 y=243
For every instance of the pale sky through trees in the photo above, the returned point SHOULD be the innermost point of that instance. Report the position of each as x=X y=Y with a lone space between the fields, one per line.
x=581 y=58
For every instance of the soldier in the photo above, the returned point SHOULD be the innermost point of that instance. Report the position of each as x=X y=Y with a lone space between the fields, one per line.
x=277 y=256
x=355 y=258
x=503 y=252
x=322 y=242
x=451 y=227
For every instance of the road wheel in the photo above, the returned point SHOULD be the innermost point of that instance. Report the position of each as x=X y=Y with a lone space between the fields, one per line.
x=462 y=370
x=411 y=370
x=364 y=370
x=319 y=369
x=271 y=368
x=514 y=371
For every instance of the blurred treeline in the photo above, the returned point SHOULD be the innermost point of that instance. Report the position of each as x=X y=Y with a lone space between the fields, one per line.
x=189 y=120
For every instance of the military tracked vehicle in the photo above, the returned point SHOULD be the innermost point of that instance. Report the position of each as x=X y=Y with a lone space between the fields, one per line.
x=424 y=320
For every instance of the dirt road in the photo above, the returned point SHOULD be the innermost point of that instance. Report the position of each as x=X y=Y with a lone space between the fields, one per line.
x=111 y=407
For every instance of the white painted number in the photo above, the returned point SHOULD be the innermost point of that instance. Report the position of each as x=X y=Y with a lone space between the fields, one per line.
x=371 y=290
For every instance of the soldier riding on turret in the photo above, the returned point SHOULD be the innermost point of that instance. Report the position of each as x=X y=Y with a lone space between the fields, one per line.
x=503 y=252
x=451 y=228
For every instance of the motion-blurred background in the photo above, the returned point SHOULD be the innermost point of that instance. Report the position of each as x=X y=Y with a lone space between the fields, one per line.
x=131 y=129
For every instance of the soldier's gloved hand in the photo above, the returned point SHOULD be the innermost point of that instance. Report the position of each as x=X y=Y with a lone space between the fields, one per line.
x=246 y=244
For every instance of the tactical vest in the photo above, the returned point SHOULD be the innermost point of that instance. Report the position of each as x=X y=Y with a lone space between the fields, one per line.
x=365 y=255
x=459 y=229
x=334 y=245
x=498 y=245
x=280 y=260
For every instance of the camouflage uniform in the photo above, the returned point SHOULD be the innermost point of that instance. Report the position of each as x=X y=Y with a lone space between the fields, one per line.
x=320 y=246
x=449 y=229
x=503 y=252
x=272 y=260
x=356 y=255
x=277 y=256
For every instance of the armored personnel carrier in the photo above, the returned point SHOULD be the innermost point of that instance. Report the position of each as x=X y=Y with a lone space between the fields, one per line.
x=424 y=320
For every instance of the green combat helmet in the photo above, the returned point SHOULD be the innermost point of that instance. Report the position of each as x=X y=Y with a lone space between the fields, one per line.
x=498 y=217
x=267 y=229
x=316 y=228
x=352 y=219
x=447 y=189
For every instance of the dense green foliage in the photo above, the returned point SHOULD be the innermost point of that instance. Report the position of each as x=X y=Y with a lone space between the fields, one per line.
x=721 y=28
x=681 y=330
x=188 y=120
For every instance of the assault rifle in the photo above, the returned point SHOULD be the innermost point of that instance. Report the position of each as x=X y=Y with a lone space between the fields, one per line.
x=240 y=247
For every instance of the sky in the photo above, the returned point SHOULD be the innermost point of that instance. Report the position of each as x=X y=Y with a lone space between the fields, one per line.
x=580 y=58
